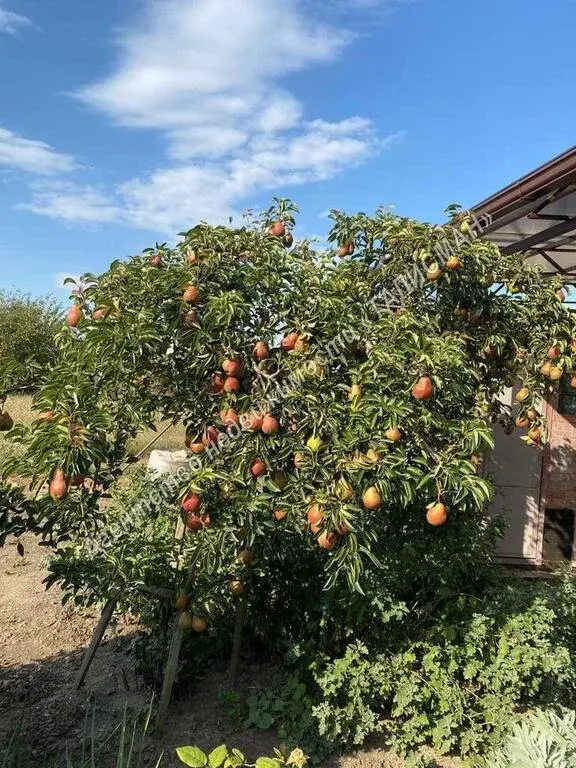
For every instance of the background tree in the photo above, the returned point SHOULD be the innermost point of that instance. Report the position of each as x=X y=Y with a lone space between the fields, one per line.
x=28 y=325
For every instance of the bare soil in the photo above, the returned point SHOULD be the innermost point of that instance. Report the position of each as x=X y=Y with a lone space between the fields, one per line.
x=41 y=647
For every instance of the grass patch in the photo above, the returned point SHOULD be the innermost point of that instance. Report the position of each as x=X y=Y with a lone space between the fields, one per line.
x=20 y=408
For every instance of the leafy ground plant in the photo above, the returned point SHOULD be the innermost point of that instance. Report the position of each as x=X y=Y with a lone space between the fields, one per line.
x=544 y=739
x=222 y=757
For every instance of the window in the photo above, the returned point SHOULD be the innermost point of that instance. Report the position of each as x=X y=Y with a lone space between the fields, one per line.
x=567 y=396
x=558 y=535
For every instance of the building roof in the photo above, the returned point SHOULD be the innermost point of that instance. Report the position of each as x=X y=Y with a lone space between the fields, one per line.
x=536 y=215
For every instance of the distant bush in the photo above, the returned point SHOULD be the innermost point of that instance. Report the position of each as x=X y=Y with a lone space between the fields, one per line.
x=27 y=328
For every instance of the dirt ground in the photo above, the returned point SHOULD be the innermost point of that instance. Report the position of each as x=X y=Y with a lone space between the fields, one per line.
x=41 y=646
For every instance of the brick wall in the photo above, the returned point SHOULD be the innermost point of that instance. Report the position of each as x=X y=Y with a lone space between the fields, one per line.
x=559 y=476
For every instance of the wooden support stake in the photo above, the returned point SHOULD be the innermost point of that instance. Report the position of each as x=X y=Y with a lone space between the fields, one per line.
x=171 y=669
x=170 y=673
x=101 y=627
x=237 y=642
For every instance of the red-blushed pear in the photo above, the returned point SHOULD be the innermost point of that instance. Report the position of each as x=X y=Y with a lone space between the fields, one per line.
x=279 y=514
x=289 y=341
x=216 y=384
x=210 y=436
x=433 y=272
x=269 y=425
x=553 y=352
x=195 y=447
x=229 y=418
x=277 y=229
x=191 y=503
x=195 y=522
x=232 y=367
x=535 y=434
x=236 y=588
x=257 y=468
x=522 y=422
x=453 y=262
x=532 y=414
x=74 y=315
x=423 y=389
x=314 y=514
x=100 y=313
x=572 y=346
x=573 y=382
x=156 y=261
x=199 y=624
x=58 y=485
x=561 y=295
x=254 y=421
x=190 y=294
x=437 y=514
x=327 y=540
x=261 y=351
x=345 y=249
x=371 y=498
x=231 y=384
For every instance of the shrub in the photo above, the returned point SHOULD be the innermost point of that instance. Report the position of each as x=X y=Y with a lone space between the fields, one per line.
x=459 y=685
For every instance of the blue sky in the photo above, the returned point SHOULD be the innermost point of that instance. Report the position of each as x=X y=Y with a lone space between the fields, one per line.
x=123 y=123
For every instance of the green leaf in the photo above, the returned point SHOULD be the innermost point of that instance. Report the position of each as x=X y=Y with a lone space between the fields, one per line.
x=192 y=756
x=268 y=762
x=217 y=757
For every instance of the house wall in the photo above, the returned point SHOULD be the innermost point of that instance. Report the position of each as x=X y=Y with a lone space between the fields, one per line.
x=527 y=481
x=516 y=471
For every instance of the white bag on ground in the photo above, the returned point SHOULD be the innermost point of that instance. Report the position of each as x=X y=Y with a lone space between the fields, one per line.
x=167 y=462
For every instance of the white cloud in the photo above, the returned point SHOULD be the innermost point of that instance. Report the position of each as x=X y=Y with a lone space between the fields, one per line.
x=206 y=72
x=11 y=22
x=169 y=199
x=32 y=156
x=58 y=281
x=209 y=75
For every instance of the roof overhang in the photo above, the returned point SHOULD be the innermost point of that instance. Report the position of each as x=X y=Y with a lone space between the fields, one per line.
x=536 y=215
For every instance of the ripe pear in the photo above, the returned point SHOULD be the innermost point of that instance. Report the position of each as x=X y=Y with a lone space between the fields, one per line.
x=371 y=498
x=74 y=315
x=58 y=485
